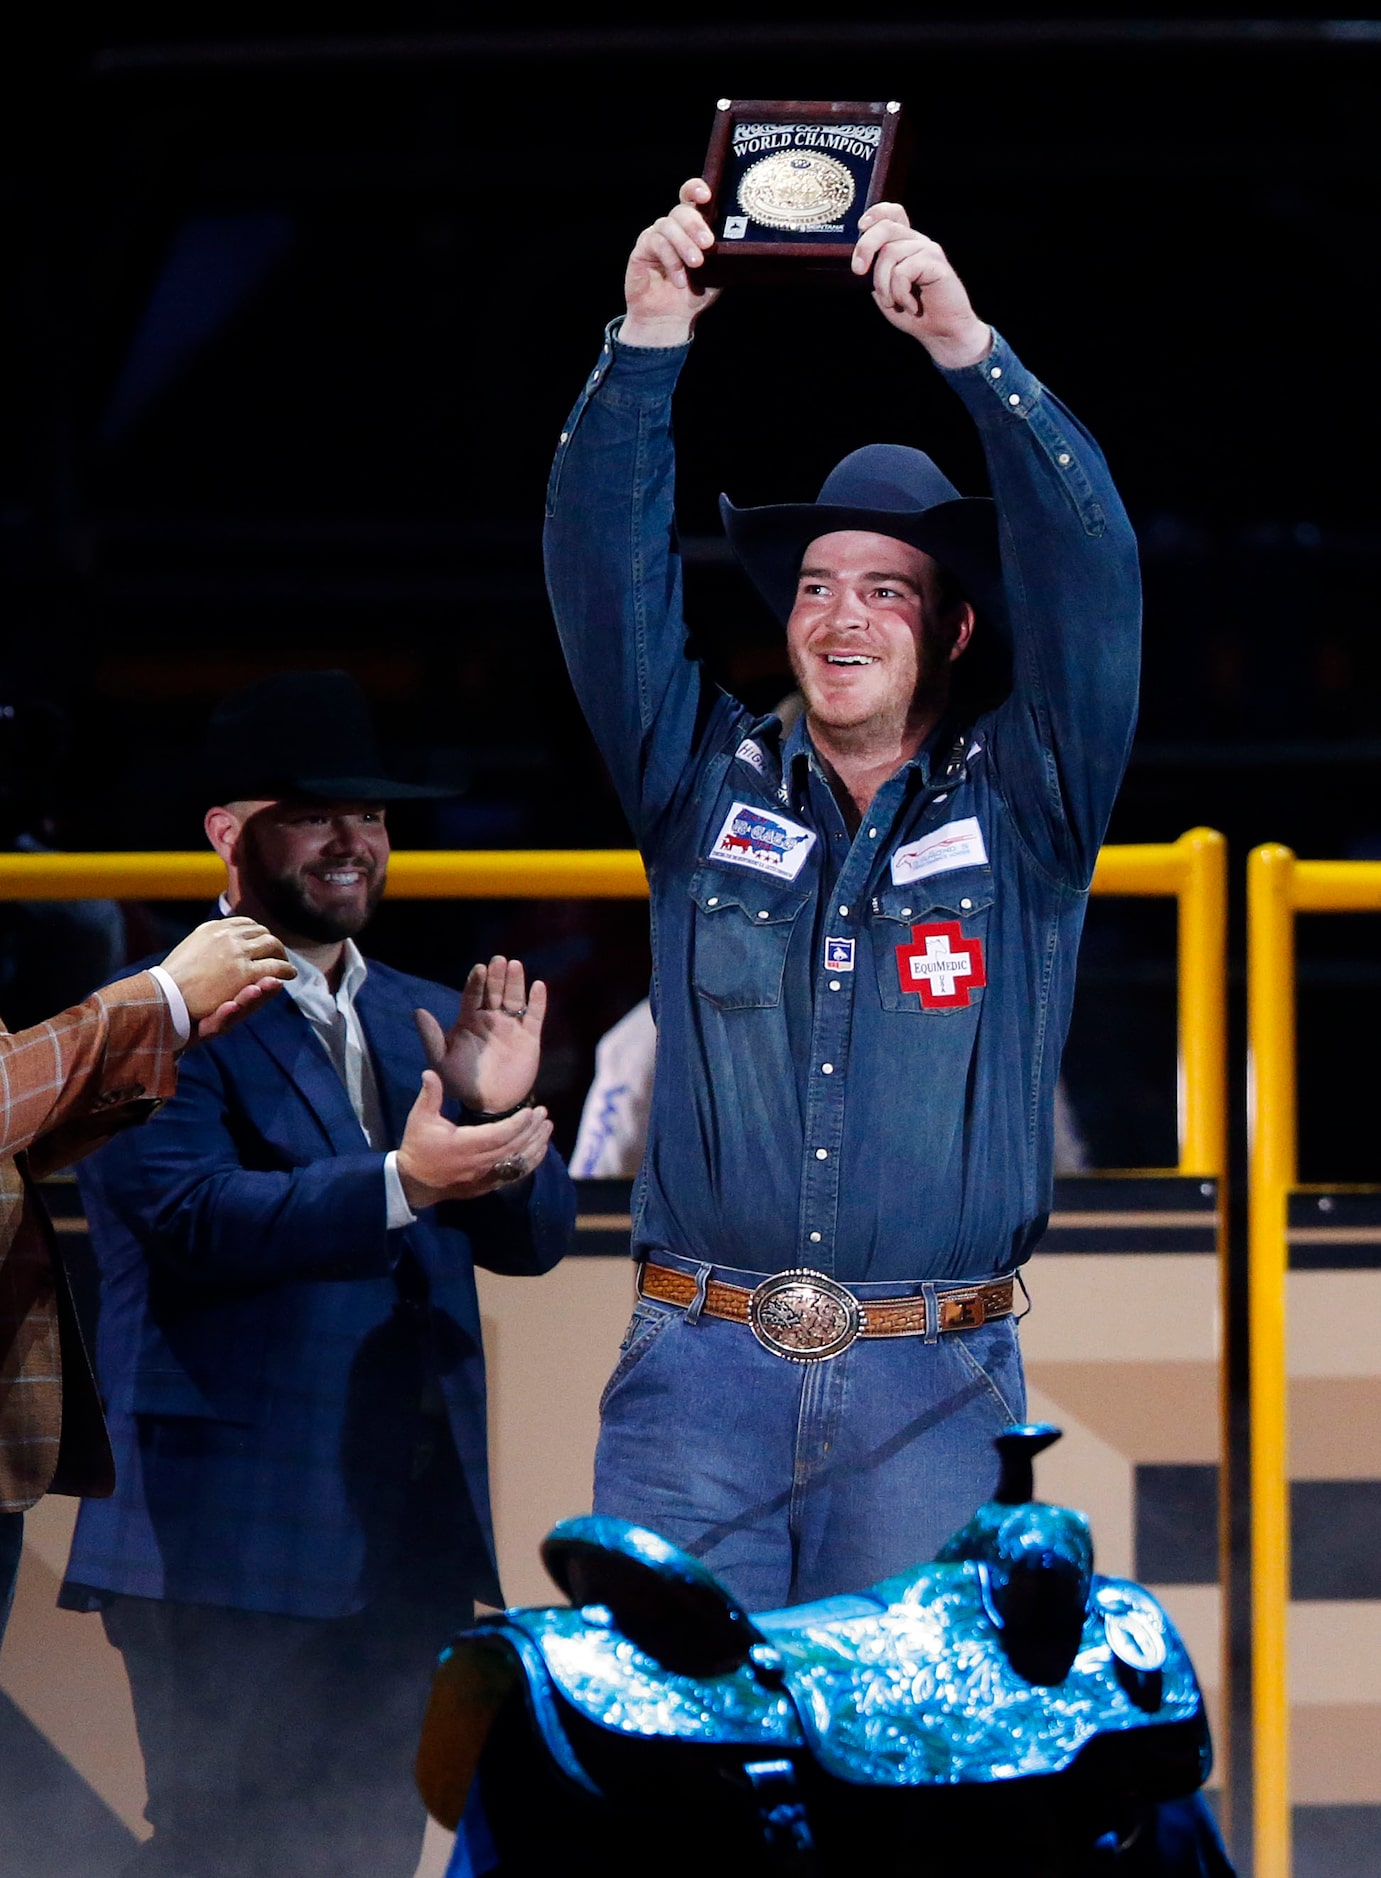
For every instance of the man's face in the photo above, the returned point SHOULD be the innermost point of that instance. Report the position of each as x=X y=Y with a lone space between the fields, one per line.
x=863 y=641
x=315 y=869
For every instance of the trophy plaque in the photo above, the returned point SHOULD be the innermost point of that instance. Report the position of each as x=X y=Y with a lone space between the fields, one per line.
x=788 y=182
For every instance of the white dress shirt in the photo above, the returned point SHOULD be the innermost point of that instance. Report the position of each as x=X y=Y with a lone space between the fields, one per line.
x=332 y=1015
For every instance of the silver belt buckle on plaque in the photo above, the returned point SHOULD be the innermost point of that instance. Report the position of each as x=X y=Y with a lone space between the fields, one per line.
x=804 y=1316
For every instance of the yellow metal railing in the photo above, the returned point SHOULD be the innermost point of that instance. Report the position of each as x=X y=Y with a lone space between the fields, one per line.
x=1278 y=887
x=1192 y=870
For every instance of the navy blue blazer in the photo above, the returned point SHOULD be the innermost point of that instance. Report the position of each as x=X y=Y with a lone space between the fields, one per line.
x=259 y=1367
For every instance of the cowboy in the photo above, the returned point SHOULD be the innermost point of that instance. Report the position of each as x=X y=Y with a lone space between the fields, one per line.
x=290 y=1334
x=864 y=927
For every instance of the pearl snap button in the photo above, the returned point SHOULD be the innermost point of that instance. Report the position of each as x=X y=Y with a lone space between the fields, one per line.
x=565 y=436
x=1064 y=459
x=906 y=912
x=843 y=912
x=713 y=901
x=872 y=834
x=966 y=904
x=827 y=1069
x=764 y=915
x=815 y=1238
x=1015 y=398
x=834 y=984
x=822 y=1154
x=996 y=372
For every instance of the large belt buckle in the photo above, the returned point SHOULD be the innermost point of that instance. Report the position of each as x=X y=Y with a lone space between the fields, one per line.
x=804 y=1316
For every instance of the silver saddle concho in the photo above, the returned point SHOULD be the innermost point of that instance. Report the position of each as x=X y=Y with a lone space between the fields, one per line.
x=804 y=1316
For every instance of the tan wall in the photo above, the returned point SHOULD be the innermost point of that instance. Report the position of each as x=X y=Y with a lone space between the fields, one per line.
x=1335 y=1434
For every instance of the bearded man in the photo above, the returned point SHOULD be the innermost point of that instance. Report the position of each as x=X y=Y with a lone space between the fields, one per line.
x=864 y=930
x=290 y=1337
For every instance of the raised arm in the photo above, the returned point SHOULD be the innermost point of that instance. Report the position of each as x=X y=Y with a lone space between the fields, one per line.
x=1073 y=598
x=613 y=570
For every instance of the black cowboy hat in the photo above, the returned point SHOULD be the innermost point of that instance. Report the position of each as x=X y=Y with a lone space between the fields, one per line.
x=301 y=734
x=890 y=489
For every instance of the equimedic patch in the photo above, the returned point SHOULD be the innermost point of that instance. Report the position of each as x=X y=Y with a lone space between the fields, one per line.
x=957 y=844
x=763 y=840
x=839 y=955
x=942 y=965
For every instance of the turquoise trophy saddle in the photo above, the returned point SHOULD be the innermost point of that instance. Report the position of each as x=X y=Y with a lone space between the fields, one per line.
x=1004 y=1709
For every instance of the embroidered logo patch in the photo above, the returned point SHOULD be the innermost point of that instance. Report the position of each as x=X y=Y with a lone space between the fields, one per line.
x=751 y=753
x=768 y=843
x=942 y=965
x=839 y=955
x=957 y=844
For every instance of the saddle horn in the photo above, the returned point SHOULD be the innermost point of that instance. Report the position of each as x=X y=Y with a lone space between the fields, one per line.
x=661 y=1598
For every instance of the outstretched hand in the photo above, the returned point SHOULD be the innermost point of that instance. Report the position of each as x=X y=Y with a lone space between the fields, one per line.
x=235 y=1010
x=488 y=1059
x=663 y=295
x=917 y=289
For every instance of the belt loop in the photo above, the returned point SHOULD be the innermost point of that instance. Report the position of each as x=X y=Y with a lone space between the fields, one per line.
x=697 y=1303
x=932 y=1312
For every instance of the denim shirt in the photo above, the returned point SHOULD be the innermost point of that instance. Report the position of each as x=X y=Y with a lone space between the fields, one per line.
x=858 y=1037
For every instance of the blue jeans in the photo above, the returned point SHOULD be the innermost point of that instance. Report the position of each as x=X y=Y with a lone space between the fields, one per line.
x=795 y=1481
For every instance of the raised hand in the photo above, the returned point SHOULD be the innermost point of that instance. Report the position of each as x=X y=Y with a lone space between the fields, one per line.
x=438 y=1161
x=488 y=1058
x=224 y=968
x=917 y=289
x=663 y=295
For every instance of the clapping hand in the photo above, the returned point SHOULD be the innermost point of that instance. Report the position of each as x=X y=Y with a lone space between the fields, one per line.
x=488 y=1059
x=438 y=1161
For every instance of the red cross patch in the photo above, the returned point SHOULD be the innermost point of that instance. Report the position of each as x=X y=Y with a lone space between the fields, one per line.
x=942 y=965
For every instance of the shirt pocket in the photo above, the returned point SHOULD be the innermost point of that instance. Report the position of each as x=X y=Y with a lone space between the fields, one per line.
x=740 y=936
x=949 y=964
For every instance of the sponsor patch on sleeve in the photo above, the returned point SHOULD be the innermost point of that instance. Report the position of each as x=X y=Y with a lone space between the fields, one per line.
x=957 y=844
x=759 y=838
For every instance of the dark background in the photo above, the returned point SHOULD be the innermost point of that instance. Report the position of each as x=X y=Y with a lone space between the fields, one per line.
x=293 y=319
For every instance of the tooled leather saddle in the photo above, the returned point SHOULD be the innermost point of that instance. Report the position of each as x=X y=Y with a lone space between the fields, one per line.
x=1003 y=1709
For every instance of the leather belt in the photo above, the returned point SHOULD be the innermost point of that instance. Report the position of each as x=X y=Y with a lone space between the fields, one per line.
x=805 y=1316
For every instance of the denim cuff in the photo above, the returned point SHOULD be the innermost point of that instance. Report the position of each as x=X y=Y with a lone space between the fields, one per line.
x=659 y=364
x=996 y=387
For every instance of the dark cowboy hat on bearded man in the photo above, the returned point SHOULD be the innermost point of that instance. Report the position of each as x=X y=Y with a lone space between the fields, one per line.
x=301 y=734
x=890 y=489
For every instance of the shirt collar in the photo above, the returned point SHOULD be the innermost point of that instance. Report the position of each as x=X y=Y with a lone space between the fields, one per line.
x=310 y=985
x=798 y=750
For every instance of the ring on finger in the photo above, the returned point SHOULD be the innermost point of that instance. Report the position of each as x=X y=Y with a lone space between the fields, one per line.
x=520 y=1012
x=511 y=1169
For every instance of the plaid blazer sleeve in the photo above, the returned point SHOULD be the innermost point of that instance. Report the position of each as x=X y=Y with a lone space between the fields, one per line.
x=117 y=1047
x=64 y=1085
